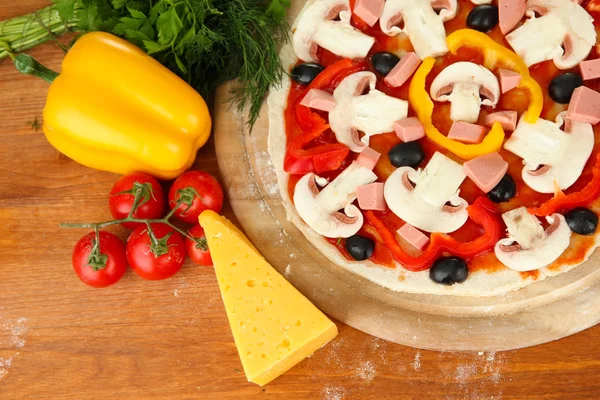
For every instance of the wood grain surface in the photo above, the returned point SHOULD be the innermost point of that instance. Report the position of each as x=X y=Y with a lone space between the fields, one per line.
x=60 y=339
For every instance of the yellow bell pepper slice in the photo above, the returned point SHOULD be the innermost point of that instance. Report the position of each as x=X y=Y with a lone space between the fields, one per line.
x=423 y=105
x=497 y=56
x=494 y=54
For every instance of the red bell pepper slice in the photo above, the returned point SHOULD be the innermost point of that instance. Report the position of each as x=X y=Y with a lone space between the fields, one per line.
x=566 y=202
x=325 y=157
x=327 y=79
x=482 y=212
x=331 y=76
x=308 y=120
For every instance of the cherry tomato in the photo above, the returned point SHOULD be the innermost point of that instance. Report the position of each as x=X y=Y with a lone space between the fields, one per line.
x=198 y=252
x=155 y=258
x=99 y=263
x=198 y=191
x=152 y=198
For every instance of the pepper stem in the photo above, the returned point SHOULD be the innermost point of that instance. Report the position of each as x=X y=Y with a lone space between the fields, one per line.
x=28 y=65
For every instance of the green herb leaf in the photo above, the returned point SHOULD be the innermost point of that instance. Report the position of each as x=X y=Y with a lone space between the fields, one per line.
x=66 y=9
x=154 y=13
x=180 y=64
x=34 y=124
x=169 y=25
x=119 y=3
x=136 y=37
x=137 y=14
x=128 y=23
x=153 y=47
x=277 y=9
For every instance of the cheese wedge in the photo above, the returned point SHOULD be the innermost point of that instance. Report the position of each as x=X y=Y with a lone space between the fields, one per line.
x=274 y=326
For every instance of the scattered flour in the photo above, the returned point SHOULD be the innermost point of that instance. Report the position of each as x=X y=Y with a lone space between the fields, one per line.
x=5 y=364
x=17 y=330
x=288 y=270
x=475 y=373
x=272 y=189
x=292 y=255
x=264 y=207
x=464 y=373
x=333 y=393
x=366 y=371
x=181 y=285
x=417 y=361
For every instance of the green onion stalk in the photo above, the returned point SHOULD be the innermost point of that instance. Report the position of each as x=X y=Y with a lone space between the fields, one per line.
x=25 y=32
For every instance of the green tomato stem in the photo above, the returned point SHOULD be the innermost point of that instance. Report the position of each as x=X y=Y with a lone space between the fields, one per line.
x=141 y=192
x=101 y=225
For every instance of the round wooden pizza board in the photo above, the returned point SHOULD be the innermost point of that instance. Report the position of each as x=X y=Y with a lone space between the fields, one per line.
x=542 y=312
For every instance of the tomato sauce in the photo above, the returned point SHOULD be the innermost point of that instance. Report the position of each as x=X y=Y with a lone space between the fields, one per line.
x=515 y=99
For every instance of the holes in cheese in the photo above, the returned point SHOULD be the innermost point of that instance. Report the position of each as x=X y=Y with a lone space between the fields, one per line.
x=274 y=326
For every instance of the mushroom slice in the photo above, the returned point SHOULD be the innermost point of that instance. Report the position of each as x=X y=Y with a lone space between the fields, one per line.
x=422 y=23
x=372 y=113
x=320 y=209
x=429 y=200
x=563 y=32
x=463 y=84
x=552 y=157
x=528 y=246
x=317 y=26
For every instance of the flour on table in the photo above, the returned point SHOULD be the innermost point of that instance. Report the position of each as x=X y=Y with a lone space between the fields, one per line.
x=181 y=285
x=333 y=393
x=464 y=373
x=288 y=270
x=474 y=374
x=17 y=329
x=417 y=361
x=366 y=371
x=5 y=364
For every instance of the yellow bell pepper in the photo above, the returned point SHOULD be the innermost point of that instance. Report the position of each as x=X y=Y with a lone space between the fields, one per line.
x=497 y=56
x=494 y=54
x=423 y=105
x=115 y=108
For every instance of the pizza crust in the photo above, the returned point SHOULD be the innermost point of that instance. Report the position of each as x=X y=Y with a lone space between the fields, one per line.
x=480 y=283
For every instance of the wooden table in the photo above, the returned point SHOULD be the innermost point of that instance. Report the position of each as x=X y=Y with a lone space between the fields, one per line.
x=60 y=339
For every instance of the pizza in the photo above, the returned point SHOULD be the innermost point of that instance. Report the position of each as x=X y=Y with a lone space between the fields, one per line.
x=445 y=146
